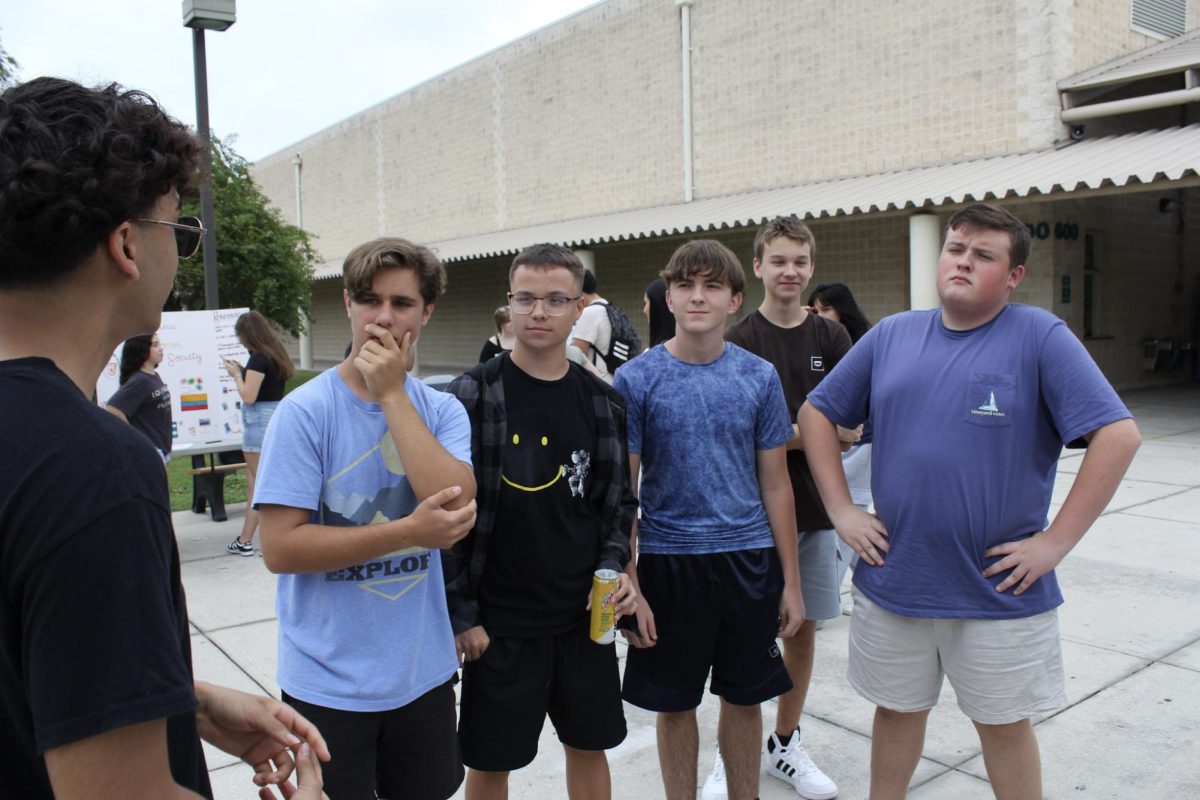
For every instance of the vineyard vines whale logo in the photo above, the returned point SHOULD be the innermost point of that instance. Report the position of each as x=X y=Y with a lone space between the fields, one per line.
x=989 y=409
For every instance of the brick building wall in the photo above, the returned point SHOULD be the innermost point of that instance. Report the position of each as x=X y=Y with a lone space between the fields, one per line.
x=583 y=118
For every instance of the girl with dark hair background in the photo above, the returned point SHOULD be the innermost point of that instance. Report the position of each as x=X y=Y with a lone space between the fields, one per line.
x=260 y=384
x=658 y=314
x=834 y=301
x=143 y=399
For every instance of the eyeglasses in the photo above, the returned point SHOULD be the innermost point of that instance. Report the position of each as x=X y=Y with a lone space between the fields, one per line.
x=555 y=304
x=188 y=234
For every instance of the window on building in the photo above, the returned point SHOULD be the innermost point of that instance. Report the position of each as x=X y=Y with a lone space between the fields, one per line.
x=1091 y=288
x=1162 y=19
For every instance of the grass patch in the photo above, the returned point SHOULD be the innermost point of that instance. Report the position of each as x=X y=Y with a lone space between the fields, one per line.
x=180 y=482
x=301 y=377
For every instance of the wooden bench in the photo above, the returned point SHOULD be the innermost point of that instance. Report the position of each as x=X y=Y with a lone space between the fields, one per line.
x=208 y=486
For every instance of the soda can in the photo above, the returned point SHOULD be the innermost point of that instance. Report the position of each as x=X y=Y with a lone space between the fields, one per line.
x=604 y=606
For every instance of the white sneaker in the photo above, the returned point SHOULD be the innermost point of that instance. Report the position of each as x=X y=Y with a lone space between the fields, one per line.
x=714 y=787
x=790 y=763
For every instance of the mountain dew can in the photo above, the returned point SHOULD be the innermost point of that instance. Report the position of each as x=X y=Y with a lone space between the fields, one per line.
x=604 y=606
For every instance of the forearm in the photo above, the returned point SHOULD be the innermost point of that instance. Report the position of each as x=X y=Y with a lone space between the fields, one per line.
x=631 y=567
x=248 y=386
x=780 y=505
x=325 y=548
x=428 y=466
x=824 y=459
x=1108 y=456
x=460 y=598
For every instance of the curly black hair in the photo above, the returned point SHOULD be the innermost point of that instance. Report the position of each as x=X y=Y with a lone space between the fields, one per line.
x=75 y=163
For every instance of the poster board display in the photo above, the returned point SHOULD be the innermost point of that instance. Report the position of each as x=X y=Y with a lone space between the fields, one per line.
x=205 y=405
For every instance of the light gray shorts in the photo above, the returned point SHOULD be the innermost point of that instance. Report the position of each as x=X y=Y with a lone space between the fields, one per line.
x=1002 y=670
x=819 y=574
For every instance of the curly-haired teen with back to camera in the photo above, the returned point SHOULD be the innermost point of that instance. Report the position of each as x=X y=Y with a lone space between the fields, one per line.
x=95 y=659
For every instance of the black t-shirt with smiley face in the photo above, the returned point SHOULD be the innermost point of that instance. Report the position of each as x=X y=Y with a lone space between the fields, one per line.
x=546 y=540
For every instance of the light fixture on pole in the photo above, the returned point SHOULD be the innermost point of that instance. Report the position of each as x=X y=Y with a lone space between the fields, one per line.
x=202 y=15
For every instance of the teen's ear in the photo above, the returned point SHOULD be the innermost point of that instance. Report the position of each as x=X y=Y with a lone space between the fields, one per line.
x=1015 y=275
x=735 y=302
x=123 y=246
x=426 y=314
x=757 y=268
x=346 y=300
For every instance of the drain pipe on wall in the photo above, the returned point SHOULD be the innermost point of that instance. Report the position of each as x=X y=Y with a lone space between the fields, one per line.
x=306 y=333
x=685 y=29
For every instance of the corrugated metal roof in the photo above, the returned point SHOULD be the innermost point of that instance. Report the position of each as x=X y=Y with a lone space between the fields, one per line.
x=1173 y=55
x=1115 y=161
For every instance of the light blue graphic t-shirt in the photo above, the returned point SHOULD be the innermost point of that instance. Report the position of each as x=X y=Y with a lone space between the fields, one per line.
x=372 y=636
x=698 y=429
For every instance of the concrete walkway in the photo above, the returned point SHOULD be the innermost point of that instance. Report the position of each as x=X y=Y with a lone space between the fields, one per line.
x=1131 y=642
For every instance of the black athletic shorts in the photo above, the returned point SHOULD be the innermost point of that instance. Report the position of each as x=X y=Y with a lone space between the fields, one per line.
x=718 y=611
x=507 y=693
x=408 y=753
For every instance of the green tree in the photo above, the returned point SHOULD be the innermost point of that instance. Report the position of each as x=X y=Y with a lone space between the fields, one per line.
x=8 y=69
x=262 y=262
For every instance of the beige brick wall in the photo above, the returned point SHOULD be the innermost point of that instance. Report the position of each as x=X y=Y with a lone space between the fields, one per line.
x=584 y=117
x=577 y=119
x=1103 y=31
x=826 y=90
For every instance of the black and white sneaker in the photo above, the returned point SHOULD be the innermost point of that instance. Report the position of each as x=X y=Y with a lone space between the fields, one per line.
x=788 y=761
x=239 y=548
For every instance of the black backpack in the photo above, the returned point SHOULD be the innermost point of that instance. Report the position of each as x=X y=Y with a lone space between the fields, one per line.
x=624 y=343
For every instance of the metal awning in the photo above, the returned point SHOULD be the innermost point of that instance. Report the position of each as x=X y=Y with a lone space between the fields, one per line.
x=1170 y=57
x=1128 y=162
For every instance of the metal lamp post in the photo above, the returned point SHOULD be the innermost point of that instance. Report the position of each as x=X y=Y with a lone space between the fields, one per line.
x=202 y=15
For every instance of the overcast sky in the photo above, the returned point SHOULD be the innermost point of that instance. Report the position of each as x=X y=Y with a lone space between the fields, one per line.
x=284 y=70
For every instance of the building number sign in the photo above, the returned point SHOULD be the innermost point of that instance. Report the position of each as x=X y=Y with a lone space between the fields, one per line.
x=1062 y=230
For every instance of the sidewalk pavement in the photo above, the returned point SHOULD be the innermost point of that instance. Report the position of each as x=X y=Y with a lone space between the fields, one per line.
x=1131 y=646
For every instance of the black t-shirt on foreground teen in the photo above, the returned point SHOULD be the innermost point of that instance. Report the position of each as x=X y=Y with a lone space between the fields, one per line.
x=93 y=625
x=272 y=387
x=546 y=541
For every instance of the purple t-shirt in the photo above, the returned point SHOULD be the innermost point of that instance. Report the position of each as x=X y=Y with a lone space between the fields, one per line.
x=968 y=429
x=698 y=429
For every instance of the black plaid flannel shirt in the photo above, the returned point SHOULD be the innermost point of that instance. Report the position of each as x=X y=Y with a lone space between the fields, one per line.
x=481 y=390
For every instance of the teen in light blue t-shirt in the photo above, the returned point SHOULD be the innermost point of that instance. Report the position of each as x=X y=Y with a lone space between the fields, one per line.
x=366 y=477
x=331 y=452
